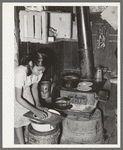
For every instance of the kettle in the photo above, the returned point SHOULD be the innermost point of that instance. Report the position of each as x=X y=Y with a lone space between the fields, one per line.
x=99 y=74
x=98 y=77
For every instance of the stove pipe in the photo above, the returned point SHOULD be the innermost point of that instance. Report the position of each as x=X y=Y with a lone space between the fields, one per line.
x=85 y=43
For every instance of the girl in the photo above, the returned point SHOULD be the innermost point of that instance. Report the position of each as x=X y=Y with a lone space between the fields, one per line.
x=27 y=76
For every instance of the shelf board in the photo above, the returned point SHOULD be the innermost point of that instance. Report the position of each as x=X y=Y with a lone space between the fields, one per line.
x=62 y=39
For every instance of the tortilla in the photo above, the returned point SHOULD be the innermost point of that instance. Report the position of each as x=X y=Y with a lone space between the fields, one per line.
x=84 y=88
x=85 y=83
x=46 y=116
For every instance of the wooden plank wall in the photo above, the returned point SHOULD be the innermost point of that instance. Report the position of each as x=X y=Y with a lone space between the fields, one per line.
x=66 y=51
x=107 y=56
x=66 y=55
x=71 y=57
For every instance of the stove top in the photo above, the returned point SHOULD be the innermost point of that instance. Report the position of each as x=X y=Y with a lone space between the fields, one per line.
x=96 y=87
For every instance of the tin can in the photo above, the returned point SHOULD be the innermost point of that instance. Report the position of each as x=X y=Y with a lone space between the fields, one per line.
x=45 y=87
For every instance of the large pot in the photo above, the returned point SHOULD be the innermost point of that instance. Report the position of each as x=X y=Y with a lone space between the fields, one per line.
x=70 y=80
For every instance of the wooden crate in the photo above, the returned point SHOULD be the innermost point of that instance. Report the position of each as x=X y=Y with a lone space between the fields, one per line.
x=62 y=23
x=83 y=98
x=33 y=26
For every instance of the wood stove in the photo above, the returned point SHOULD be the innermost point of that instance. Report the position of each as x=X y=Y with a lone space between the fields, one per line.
x=86 y=63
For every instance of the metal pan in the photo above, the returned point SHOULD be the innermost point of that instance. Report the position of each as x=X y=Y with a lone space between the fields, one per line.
x=63 y=102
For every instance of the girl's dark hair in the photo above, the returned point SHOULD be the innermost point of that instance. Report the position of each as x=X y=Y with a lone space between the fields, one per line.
x=38 y=59
x=51 y=58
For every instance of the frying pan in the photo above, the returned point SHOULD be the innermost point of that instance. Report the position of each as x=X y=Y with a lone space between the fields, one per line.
x=63 y=102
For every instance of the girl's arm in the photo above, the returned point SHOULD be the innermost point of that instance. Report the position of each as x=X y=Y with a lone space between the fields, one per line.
x=25 y=103
x=36 y=94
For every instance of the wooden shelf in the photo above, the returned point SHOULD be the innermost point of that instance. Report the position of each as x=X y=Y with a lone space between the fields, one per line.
x=62 y=39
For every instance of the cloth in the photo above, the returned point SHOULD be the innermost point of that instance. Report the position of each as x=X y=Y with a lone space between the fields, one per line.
x=23 y=81
x=112 y=17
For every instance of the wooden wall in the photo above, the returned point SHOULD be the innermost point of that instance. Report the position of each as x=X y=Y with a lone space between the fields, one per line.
x=104 y=57
x=66 y=52
x=107 y=56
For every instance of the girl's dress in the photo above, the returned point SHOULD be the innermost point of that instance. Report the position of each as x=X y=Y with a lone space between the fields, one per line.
x=23 y=81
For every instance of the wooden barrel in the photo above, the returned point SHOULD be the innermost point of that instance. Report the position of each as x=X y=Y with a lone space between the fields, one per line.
x=36 y=137
x=83 y=131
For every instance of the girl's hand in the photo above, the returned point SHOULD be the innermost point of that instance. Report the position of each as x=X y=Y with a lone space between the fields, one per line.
x=40 y=114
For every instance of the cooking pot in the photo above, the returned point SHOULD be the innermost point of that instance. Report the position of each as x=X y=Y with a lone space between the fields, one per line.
x=63 y=102
x=70 y=80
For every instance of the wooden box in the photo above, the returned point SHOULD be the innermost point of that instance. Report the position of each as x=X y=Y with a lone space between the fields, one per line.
x=83 y=98
x=61 y=22
x=33 y=26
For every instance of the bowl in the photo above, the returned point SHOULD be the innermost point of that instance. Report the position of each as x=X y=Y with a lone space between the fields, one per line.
x=62 y=102
x=70 y=80
x=41 y=127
